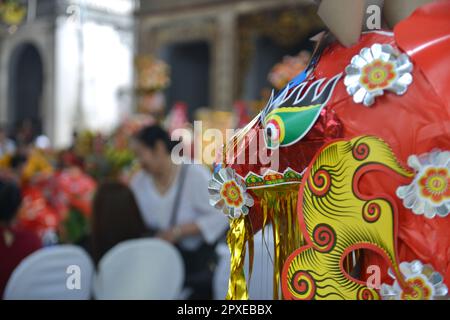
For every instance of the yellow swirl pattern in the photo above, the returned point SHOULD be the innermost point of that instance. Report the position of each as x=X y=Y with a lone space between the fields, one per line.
x=337 y=220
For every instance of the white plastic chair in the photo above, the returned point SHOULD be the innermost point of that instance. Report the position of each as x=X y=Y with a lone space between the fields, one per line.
x=261 y=282
x=62 y=272
x=144 y=269
x=222 y=272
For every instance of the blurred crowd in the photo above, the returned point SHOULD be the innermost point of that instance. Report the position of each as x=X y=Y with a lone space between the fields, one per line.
x=120 y=187
x=106 y=189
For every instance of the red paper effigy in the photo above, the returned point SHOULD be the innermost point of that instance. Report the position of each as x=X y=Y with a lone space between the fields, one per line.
x=404 y=102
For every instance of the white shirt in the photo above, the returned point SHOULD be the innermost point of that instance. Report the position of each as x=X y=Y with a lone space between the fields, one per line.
x=194 y=207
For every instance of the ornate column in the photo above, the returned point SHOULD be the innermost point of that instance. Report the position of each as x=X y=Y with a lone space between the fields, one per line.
x=224 y=58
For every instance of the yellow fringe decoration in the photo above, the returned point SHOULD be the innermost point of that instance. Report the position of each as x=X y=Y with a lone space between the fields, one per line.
x=279 y=207
x=240 y=233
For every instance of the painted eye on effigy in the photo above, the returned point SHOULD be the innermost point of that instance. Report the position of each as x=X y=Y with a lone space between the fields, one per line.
x=274 y=132
x=291 y=115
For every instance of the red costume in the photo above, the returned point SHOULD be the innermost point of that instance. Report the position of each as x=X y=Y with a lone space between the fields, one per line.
x=415 y=121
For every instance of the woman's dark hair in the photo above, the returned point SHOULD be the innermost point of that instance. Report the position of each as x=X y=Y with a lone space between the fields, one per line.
x=115 y=218
x=10 y=200
x=150 y=135
x=17 y=160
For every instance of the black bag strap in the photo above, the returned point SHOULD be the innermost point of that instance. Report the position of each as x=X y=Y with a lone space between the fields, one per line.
x=177 y=200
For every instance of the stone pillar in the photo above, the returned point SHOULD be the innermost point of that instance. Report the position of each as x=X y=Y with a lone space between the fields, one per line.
x=224 y=61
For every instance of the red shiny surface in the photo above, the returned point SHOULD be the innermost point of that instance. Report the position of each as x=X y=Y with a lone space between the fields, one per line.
x=425 y=36
x=412 y=124
x=415 y=123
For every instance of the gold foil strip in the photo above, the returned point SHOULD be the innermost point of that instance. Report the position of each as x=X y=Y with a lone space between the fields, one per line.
x=237 y=238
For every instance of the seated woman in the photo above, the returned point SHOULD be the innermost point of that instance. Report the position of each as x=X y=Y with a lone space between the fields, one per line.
x=174 y=203
x=15 y=244
x=115 y=218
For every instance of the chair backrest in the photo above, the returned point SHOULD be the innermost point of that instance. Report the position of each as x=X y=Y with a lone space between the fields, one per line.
x=63 y=272
x=222 y=272
x=142 y=269
x=261 y=282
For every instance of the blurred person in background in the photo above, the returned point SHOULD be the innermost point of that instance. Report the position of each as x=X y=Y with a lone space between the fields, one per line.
x=39 y=160
x=174 y=203
x=25 y=133
x=115 y=218
x=15 y=244
x=69 y=157
x=7 y=146
x=12 y=166
x=18 y=164
x=29 y=161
